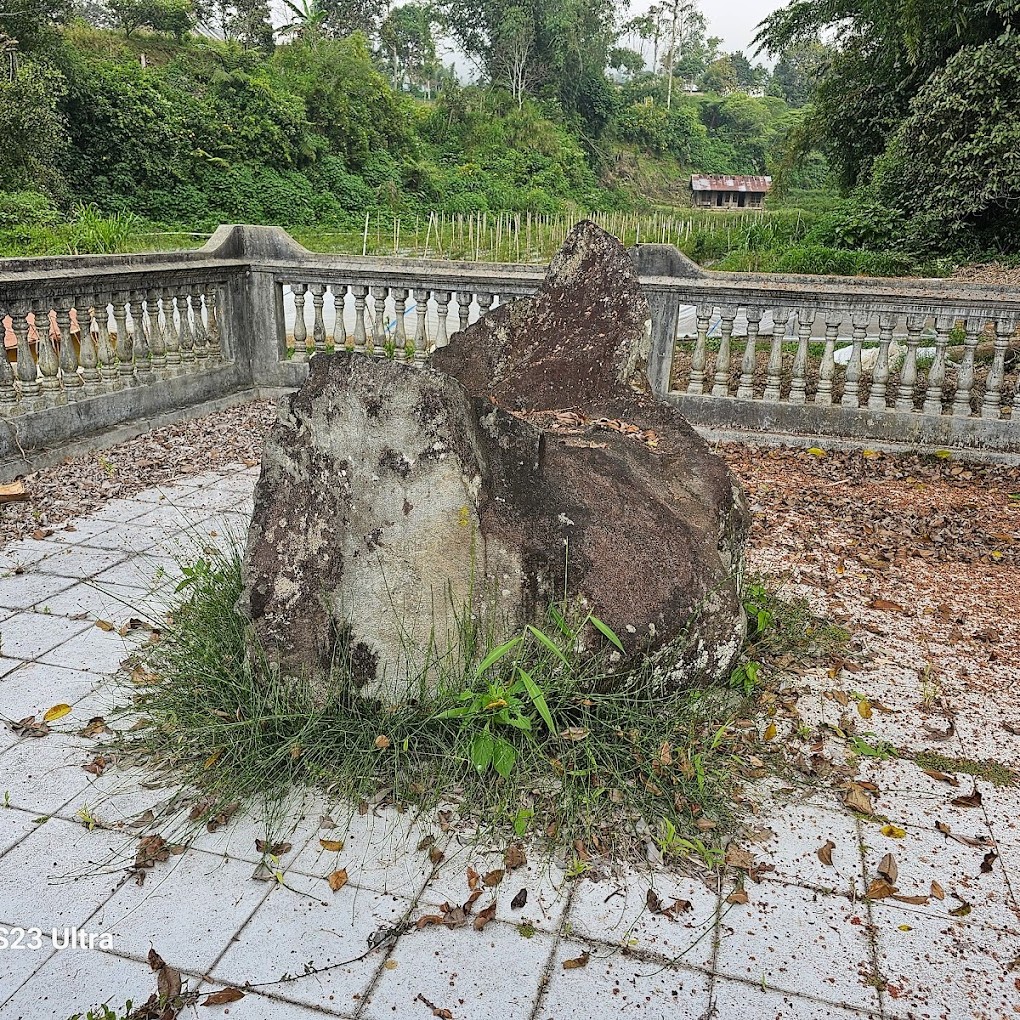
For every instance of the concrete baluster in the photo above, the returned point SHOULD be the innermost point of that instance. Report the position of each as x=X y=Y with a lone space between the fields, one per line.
x=213 y=324
x=106 y=352
x=696 y=383
x=442 y=313
x=880 y=376
x=937 y=373
x=360 y=333
x=88 y=356
x=965 y=375
x=185 y=336
x=400 y=330
x=745 y=391
x=8 y=395
x=852 y=383
x=318 y=322
x=72 y=382
x=464 y=299
x=798 y=382
x=721 y=379
x=827 y=369
x=26 y=369
x=125 y=347
x=143 y=356
x=421 y=340
x=156 y=342
x=300 y=328
x=46 y=356
x=774 y=370
x=990 y=403
x=379 y=321
x=339 y=291
x=172 y=334
x=198 y=324
x=908 y=373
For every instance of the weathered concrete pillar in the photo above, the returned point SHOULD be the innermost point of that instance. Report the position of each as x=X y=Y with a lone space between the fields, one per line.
x=663 y=261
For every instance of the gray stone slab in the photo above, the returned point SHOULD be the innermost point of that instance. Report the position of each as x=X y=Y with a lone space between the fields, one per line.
x=35 y=686
x=29 y=635
x=23 y=591
x=312 y=927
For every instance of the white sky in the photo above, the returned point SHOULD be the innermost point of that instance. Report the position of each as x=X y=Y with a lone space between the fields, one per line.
x=735 y=21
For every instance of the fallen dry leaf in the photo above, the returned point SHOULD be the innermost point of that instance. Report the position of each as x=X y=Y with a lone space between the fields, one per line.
x=56 y=712
x=494 y=877
x=886 y=605
x=892 y=831
x=273 y=849
x=28 y=727
x=737 y=858
x=333 y=845
x=95 y=727
x=105 y=625
x=879 y=889
x=577 y=963
x=941 y=777
x=515 y=857
x=737 y=896
x=825 y=852
x=338 y=879
x=382 y=742
x=888 y=869
x=519 y=901
x=937 y=891
x=857 y=798
x=484 y=916
x=223 y=997
x=574 y=733
x=968 y=800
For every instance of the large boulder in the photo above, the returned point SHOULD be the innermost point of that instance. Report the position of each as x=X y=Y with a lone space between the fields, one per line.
x=399 y=506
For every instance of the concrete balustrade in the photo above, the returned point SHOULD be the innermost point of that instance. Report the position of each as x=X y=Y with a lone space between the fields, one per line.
x=98 y=342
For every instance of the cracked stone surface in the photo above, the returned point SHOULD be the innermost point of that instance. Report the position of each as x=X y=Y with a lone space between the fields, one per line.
x=806 y=944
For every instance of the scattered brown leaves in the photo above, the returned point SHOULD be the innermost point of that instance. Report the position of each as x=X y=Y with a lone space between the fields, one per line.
x=577 y=963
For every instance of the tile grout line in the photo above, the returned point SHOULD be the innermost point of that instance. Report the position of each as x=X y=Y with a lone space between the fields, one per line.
x=545 y=977
x=872 y=931
x=714 y=975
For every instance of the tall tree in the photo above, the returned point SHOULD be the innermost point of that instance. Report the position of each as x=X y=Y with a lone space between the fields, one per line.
x=910 y=84
x=409 y=43
x=570 y=47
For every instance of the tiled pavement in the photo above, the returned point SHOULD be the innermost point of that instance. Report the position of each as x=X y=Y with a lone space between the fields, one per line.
x=807 y=944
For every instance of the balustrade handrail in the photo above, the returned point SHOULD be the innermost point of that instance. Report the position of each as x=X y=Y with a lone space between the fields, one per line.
x=124 y=336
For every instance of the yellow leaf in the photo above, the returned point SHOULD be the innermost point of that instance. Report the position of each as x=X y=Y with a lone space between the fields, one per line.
x=335 y=845
x=390 y=964
x=864 y=708
x=212 y=759
x=104 y=625
x=905 y=927
x=56 y=712
x=816 y=451
x=770 y=732
x=944 y=454
x=870 y=454
x=338 y=879
x=495 y=706
x=893 y=831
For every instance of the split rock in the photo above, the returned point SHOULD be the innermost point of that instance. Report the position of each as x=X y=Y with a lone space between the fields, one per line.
x=397 y=502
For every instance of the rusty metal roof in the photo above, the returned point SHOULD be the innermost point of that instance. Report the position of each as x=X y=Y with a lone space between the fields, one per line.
x=730 y=182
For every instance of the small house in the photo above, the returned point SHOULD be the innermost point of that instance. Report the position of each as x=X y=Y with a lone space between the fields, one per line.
x=719 y=191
